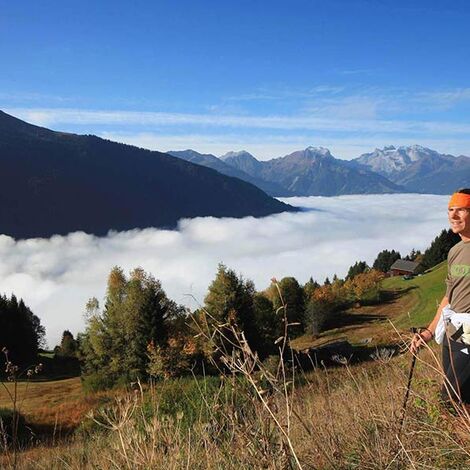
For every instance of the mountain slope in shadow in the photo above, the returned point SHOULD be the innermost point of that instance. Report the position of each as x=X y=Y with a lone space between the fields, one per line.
x=56 y=183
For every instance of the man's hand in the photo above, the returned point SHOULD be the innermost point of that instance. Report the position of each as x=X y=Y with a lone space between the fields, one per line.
x=419 y=339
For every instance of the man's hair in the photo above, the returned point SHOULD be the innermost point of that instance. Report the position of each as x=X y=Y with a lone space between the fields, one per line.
x=463 y=190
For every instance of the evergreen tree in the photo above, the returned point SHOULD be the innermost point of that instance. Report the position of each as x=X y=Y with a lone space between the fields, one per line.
x=385 y=259
x=294 y=301
x=413 y=256
x=136 y=314
x=68 y=345
x=309 y=288
x=357 y=268
x=230 y=302
x=21 y=332
x=268 y=326
x=439 y=249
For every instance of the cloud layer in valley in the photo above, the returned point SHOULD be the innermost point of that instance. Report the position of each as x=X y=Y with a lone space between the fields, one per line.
x=56 y=276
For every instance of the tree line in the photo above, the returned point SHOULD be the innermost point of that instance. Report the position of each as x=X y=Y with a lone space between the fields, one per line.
x=21 y=332
x=139 y=332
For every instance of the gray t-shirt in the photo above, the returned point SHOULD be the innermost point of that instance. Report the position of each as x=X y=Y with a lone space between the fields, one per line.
x=458 y=277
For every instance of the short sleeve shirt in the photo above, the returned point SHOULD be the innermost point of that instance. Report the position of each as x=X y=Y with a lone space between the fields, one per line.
x=458 y=277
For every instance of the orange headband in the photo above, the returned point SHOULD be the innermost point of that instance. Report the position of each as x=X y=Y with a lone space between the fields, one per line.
x=459 y=200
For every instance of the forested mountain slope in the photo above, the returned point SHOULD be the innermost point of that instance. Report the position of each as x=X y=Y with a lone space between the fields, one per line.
x=56 y=183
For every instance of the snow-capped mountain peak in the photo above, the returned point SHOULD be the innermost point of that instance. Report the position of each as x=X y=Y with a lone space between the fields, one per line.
x=239 y=154
x=317 y=151
x=391 y=159
x=419 y=168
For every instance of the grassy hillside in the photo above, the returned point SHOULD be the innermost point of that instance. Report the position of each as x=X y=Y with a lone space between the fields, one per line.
x=407 y=303
x=57 y=404
x=345 y=417
x=425 y=293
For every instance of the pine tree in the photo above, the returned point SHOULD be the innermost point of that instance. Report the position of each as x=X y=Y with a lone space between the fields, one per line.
x=68 y=345
x=268 y=327
x=293 y=298
x=136 y=314
x=439 y=249
x=309 y=288
x=230 y=302
x=385 y=259
x=21 y=332
x=357 y=268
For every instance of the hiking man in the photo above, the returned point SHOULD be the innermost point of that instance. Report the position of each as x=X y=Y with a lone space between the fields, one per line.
x=451 y=324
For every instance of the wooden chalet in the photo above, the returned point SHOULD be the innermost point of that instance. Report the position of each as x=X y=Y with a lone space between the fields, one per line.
x=402 y=267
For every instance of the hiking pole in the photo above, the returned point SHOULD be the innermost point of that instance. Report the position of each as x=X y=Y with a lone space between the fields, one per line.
x=408 y=387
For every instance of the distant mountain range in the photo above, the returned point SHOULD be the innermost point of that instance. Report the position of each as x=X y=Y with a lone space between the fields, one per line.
x=419 y=169
x=309 y=172
x=315 y=172
x=56 y=183
x=211 y=161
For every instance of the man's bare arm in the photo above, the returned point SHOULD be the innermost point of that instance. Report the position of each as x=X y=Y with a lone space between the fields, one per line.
x=428 y=334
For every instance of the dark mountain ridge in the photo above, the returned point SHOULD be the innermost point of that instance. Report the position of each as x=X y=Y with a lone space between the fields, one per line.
x=56 y=183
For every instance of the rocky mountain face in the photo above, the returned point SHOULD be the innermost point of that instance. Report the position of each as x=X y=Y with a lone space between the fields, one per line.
x=243 y=161
x=218 y=164
x=419 y=169
x=56 y=183
x=313 y=172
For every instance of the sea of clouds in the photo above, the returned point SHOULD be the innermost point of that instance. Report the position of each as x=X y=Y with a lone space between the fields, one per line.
x=56 y=276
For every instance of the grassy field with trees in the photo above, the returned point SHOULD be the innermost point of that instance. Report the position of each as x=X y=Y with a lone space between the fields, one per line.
x=223 y=386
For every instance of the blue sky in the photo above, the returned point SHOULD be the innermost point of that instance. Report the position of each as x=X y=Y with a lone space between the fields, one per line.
x=270 y=77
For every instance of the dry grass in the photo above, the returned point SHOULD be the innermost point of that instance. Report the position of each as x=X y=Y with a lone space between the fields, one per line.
x=366 y=322
x=343 y=419
x=58 y=404
x=410 y=303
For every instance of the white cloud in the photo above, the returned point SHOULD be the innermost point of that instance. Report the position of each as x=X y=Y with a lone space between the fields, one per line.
x=50 y=117
x=349 y=107
x=284 y=94
x=347 y=121
x=56 y=276
x=444 y=99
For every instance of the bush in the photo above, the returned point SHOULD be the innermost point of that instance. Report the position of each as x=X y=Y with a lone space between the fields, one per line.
x=96 y=382
x=6 y=427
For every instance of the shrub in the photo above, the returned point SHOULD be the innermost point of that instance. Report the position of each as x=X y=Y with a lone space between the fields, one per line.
x=95 y=382
x=6 y=427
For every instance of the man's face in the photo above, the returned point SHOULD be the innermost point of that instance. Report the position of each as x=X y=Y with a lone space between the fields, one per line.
x=459 y=219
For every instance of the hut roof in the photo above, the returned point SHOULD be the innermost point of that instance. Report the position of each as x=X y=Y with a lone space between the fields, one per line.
x=404 y=265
